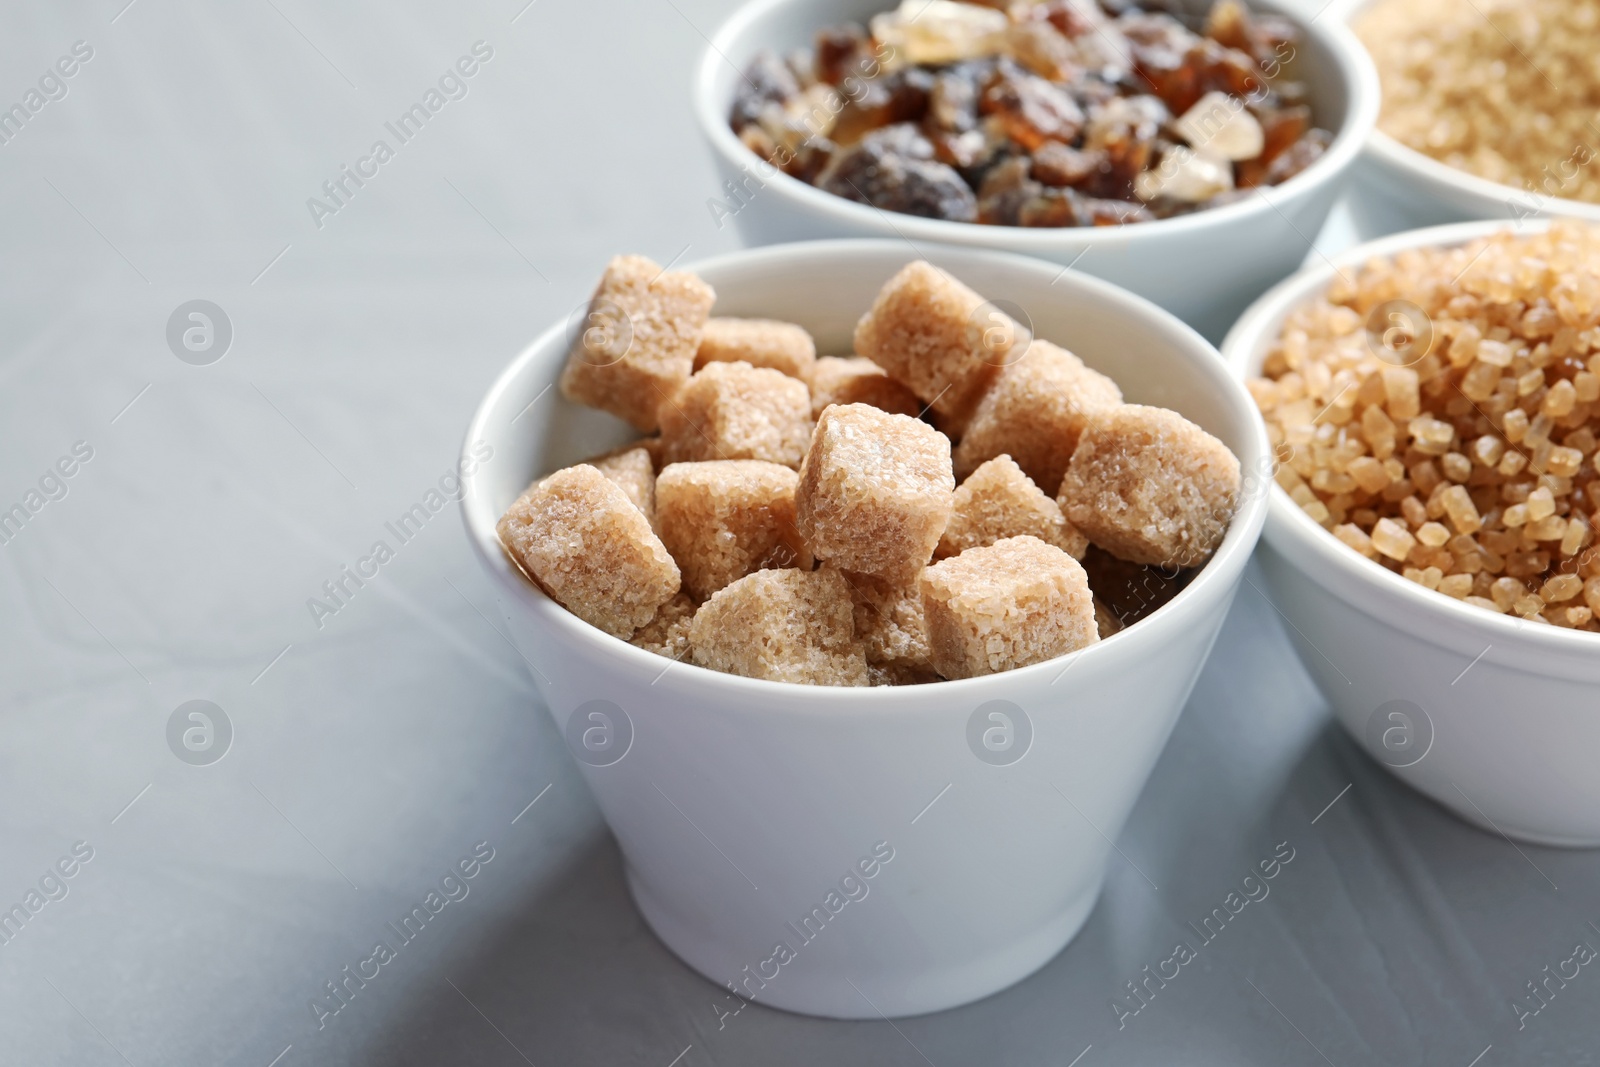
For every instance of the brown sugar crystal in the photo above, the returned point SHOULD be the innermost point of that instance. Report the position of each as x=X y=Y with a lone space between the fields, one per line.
x=1503 y=89
x=668 y=633
x=1035 y=413
x=1473 y=468
x=638 y=340
x=858 y=380
x=889 y=620
x=875 y=491
x=723 y=519
x=580 y=537
x=939 y=338
x=779 y=346
x=1149 y=486
x=634 y=472
x=782 y=625
x=998 y=501
x=1007 y=605
x=736 y=411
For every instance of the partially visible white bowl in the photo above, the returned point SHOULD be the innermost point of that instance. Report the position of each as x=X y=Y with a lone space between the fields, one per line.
x=1499 y=718
x=1394 y=187
x=1203 y=267
x=740 y=803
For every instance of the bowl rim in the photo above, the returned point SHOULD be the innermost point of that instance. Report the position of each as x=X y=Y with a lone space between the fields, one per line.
x=1351 y=61
x=1387 y=150
x=1211 y=582
x=1245 y=347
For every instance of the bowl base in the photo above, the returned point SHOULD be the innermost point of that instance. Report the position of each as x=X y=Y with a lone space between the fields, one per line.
x=879 y=993
x=1522 y=785
x=1472 y=818
x=1515 y=833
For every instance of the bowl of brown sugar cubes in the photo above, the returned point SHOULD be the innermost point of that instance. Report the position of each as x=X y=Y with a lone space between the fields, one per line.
x=852 y=577
x=1434 y=398
x=1187 y=151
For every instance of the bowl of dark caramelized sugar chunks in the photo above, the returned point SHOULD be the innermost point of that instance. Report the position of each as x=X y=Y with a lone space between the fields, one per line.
x=1186 y=151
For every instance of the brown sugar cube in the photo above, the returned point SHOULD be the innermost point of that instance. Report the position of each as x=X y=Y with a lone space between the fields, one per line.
x=998 y=501
x=638 y=339
x=736 y=411
x=875 y=491
x=1149 y=486
x=779 y=346
x=634 y=472
x=723 y=519
x=580 y=537
x=1035 y=413
x=783 y=625
x=858 y=380
x=1006 y=605
x=668 y=633
x=889 y=620
x=939 y=338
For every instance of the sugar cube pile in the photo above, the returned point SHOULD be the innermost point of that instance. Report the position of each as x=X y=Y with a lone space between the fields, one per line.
x=955 y=498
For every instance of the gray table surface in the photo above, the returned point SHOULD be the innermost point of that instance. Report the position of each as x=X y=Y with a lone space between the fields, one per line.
x=372 y=751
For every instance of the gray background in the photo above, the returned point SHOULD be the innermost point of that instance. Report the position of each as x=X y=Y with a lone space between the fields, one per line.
x=371 y=753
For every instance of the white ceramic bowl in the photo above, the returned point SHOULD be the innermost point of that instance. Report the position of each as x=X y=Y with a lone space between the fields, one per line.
x=1395 y=188
x=739 y=804
x=1203 y=267
x=1500 y=719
